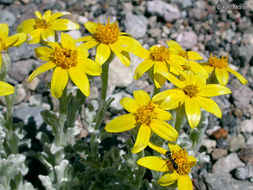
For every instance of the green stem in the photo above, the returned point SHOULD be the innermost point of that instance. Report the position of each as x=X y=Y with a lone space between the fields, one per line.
x=156 y=90
x=179 y=118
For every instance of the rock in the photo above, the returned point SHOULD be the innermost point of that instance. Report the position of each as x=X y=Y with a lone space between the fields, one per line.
x=209 y=144
x=227 y=164
x=7 y=17
x=211 y=45
x=245 y=54
x=167 y=11
x=75 y=33
x=35 y=100
x=219 y=153
x=220 y=133
x=25 y=51
x=246 y=155
x=242 y=173
x=250 y=141
x=20 y=94
x=247 y=126
x=212 y=130
x=197 y=13
x=236 y=143
x=183 y=3
x=222 y=143
x=155 y=32
x=136 y=25
x=115 y=105
x=7 y=1
x=137 y=85
x=21 y=69
x=242 y=96
x=33 y=84
x=224 y=181
x=187 y=39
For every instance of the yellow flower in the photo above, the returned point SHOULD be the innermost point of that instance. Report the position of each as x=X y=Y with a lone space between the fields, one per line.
x=6 y=89
x=194 y=93
x=7 y=41
x=146 y=114
x=68 y=61
x=161 y=58
x=221 y=68
x=190 y=66
x=107 y=38
x=44 y=27
x=180 y=175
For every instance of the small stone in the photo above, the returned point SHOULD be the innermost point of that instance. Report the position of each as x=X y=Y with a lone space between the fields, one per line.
x=212 y=130
x=219 y=153
x=242 y=173
x=7 y=17
x=7 y=1
x=250 y=141
x=25 y=51
x=20 y=94
x=35 y=100
x=33 y=84
x=227 y=164
x=209 y=144
x=222 y=143
x=187 y=39
x=247 y=126
x=242 y=96
x=246 y=155
x=115 y=105
x=82 y=19
x=236 y=143
x=75 y=34
x=155 y=32
x=220 y=133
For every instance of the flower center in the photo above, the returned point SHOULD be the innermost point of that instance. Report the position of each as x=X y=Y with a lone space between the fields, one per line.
x=218 y=62
x=41 y=23
x=145 y=114
x=64 y=58
x=160 y=53
x=107 y=34
x=2 y=45
x=190 y=90
x=181 y=159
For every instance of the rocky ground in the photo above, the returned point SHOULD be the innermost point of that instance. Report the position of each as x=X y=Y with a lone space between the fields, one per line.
x=199 y=25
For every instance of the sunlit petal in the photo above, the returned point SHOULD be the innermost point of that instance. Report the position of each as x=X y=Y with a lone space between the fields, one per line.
x=41 y=69
x=141 y=97
x=123 y=56
x=91 y=27
x=26 y=26
x=193 y=111
x=57 y=15
x=210 y=90
x=67 y=41
x=238 y=75
x=90 y=67
x=102 y=54
x=142 y=68
x=210 y=106
x=121 y=123
x=6 y=89
x=174 y=45
x=168 y=179
x=59 y=81
x=153 y=163
x=142 y=139
x=192 y=55
x=64 y=24
x=222 y=76
x=184 y=183
x=43 y=53
x=89 y=44
x=163 y=114
x=4 y=30
x=129 y=104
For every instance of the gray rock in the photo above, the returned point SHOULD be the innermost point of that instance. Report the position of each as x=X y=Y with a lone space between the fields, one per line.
x=136 y=25
x=250 y=141
x=155 y=32
x=209 y=144
x=245 y=53
x=187 y=39
x=7 y=17
x=183 y=3
x=242 y=173
x=242 y=96
x=219 y=153
x=236 y=143
x=35 y=100
x=227 y=164
x=25 y=51
x=115 y=105
x=247 y=126
x=168 y=11
x=20 y=94
x=197 y=13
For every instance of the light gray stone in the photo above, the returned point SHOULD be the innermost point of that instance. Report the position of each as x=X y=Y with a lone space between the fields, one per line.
x=242 y=96
x=115 y=105
x=20 y=94
x=209 y=144
x=219 y=153
x=247 y=126
x=236 y=142
x=187 y=39
x=7 y=17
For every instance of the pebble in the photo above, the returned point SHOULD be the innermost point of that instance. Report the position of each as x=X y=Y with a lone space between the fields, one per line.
x=250 y=141
x=242 y=96
x=187 y=39
x=20 y=94
x=35 y=100
x=247 y=126
x=246 y=155
x=7 y=1
x=220 y=133
x=7 y=17
x=219 y=153
x=242 y=173
x=31 y=85
x=209 y=144
x=25 y=51
x=115 y=105
x=236 y=142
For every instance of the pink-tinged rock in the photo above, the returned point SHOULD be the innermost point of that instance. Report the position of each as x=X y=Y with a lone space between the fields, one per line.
x=187 y=39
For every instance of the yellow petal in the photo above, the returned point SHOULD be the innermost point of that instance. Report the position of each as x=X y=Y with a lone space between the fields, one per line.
x=34 y=36
x=222 y=76
x=0 y=60
x=198 y=69
x=168 y=179
x=162 y=114
x=174 y=45
x=41 y=69
x=213 y=90
x=43 y=53
x=90 y=67
x=160 y=67
x=84 y=39
x=129 y=104
x=59 y=81
x=141 y=97
x=80 y=79
x=102 y=54
x=184 y=183
x=26 y=26
x=173 y=79
x=47 y=15
x=164 y=130
x=21 y=39
x=164 y=94
x=142 y=139
x=208 y=68
x=4 y=30
x=210 y=106
x=193 y=111
x=6 y=89
x=128 y=41
x=238 y=75
x=48 y=35
x=157 y=148
x=174 y=147
x=192 y=55
x=91 y=27
x=121 y=123
x=123 y=56
x=153 y=163
x=64 y=24
x=90 y=44
x=82 y=52
x=139 y=51
x=10 y=41
x=38 y=14
x=142 y=68
x=67 y=41
x=192 y=160
x=57 y=15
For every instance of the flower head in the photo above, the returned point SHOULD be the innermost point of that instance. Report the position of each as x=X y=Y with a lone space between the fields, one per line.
x=147 y=115
x=178 y=157
x=221 y=68
x=107 y=38
x=6 y=89
x=194 y=93
x=43 y=27
x=68 y=61
x=7 y=41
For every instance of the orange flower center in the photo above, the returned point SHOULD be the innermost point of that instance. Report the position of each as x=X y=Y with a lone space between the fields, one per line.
x=190 y=90
x=2 y=45
x=218 y=62
x=181 y=159
x=107 y=34
x=64 y=58
x=145 y=114
x=41 y=23
x=160 y=53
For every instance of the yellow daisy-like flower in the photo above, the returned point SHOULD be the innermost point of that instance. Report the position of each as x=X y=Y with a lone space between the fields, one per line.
x=43 y=27
x=173 y=174
x=107 y=38
x=190 y=65
x=6 y=89
x=146 y=114
x=194 y=93
x=68 y=61
x=221 y=68
x=7 y=41
x=161 y=59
